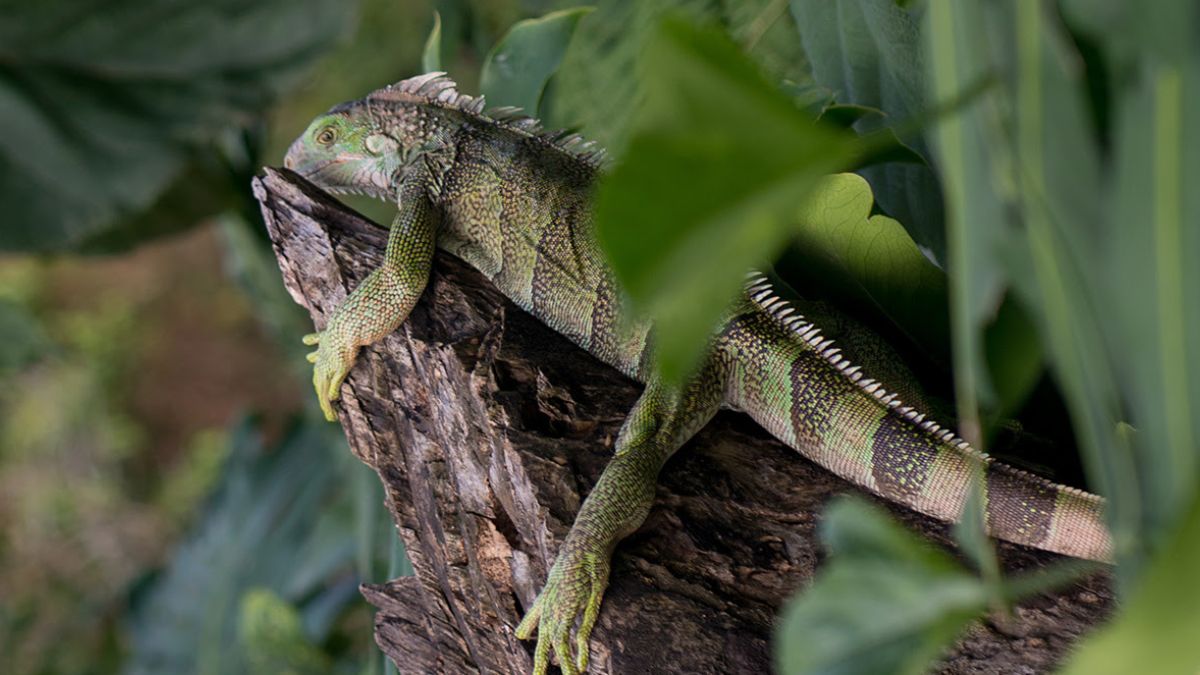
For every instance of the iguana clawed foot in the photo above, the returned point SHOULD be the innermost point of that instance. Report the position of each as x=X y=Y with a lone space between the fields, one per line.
x=572 y=595
x=332 y=362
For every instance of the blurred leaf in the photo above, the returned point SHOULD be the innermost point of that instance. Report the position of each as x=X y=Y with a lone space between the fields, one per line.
x=280 y=519
x=1157 y=628
x=706 y=190
x=869 y=53
x=887 y=146
x=971 y=534
x=1133 y=31
x=887 y=602
x=517 y=69
x=594 y=89
x=203 y=188
x=870 y=260
x=271 y=634
x=969 y=146
x=101 y=111
x=1015 y=361
x=1148 y=283
x=22 y=338
x=431 y=56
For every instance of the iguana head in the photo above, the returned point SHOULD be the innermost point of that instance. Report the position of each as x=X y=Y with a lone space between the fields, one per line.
x=366 y=146
x=355 y=148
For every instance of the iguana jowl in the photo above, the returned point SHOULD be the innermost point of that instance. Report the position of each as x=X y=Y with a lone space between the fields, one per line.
x=513 y=201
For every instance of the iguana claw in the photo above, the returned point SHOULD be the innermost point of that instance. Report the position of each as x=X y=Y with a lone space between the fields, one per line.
x=572 y=593
x=332 y=362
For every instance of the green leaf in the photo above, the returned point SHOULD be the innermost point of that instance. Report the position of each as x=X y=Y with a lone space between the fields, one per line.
x=280 y=519
x=870 y=261
x=969 y=145
x=431 y=56
x=271 y=634
x=869 y=53
x=102 y=113
x=1012 y=351
x=865 y=259
x=971 y=534
x=594 y=90
x=886 y=602
x=206 y=186
x=517 y=69
x=1150 y=285
x=22 y=339
x=706 y=190
x=1157 y=628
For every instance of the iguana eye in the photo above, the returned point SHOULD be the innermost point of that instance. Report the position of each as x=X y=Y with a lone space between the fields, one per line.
x=327 y=136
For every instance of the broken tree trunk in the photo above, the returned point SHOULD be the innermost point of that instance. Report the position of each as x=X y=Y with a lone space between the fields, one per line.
x=488 y=429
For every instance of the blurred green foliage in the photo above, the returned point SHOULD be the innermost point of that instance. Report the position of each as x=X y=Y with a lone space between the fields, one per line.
x=272 y=557
x=700 y=176
x=109 y=105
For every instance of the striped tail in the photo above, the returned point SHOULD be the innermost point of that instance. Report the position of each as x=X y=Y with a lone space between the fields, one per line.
x=799 y=386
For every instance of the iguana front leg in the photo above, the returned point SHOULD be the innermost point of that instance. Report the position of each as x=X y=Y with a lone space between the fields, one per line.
x=381 y=302
x=662 y=420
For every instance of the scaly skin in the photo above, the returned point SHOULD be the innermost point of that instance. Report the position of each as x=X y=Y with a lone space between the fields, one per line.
x=514 y=203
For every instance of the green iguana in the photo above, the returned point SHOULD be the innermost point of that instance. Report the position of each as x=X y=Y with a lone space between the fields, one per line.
x=513 y=201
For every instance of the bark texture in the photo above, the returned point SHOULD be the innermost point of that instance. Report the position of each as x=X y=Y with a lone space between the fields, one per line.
x=488 y=429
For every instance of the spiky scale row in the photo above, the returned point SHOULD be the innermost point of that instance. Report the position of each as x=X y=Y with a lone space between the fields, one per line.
x=1092 y=542
x=437 y=89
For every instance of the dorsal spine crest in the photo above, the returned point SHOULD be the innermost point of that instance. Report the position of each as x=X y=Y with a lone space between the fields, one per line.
x=436 y=89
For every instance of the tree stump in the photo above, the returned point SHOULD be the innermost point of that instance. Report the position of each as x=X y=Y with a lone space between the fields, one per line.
x=488 y=429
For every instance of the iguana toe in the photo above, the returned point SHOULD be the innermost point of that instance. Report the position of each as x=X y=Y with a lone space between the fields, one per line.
x=572 y=594
x=332 y=363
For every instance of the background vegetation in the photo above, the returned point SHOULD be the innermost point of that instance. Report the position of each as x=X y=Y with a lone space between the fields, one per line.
x=1000 y=188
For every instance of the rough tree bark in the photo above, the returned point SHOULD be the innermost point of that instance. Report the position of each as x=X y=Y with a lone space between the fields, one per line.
x=488 y=429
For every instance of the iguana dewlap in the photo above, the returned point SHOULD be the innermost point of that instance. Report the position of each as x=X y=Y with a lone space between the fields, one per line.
x=514 y=202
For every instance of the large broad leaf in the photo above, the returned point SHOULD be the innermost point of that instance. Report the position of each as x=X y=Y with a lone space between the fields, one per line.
x=869 y=53
x=868 y=259
x=280 y=519
x=596 y=91
x=706 y=189
x=968 y=144
x=517 y=69
x=104 y=101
